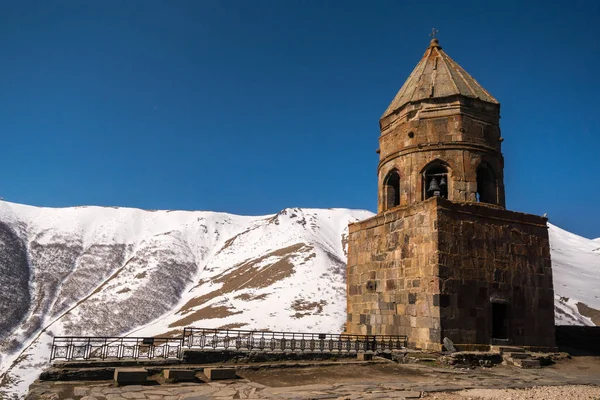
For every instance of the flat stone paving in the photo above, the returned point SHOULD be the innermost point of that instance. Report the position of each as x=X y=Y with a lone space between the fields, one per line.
x=381 y=381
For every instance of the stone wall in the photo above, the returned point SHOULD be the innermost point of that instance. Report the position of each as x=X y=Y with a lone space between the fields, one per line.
x=434 y=268
x=392 y=276
x=490 y=255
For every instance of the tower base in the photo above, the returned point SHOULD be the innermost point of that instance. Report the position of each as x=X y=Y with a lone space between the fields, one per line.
x=475 y=273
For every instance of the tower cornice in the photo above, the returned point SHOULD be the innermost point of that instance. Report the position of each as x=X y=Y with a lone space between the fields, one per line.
x=422 y=148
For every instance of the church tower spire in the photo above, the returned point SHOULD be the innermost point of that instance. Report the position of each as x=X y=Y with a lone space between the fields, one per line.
x=440 y=136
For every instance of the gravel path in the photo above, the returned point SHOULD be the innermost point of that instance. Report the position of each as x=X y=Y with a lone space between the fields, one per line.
x=534 y=393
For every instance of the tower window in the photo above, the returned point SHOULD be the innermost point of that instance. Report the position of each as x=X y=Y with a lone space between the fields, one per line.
x=486 y=184
x=391 y=190
x=435 y=179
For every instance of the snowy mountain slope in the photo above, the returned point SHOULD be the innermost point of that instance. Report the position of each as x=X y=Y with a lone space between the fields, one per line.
x=109 y=271
x=297 y=282
x=115 y=271
x=576 y=273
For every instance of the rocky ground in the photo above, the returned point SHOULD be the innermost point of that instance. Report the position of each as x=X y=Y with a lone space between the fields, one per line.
x=577 y=378
x=244 y=389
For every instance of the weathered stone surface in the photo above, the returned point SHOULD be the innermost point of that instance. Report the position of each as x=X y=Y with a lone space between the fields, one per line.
x=110 y=390
x=364 y=356
x=129 y=376
x=449 y=345
x=179 y=375
x=195 y=390
x=133 y=395
x=133 y=388
x=157 y=392
x=227 y=392
x=392 y=309
x=195 y=396
x=96 y=392
x=114 y=397
x=80 y=391
x=219 y=373
x=387 y=381
x=450 y=263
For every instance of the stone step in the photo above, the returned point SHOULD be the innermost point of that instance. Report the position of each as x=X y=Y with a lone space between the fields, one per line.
x=516 y=355
x=130 y=376
x=510 y=349
x=214 y=374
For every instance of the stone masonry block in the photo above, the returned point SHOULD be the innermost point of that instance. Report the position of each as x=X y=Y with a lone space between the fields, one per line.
x=130 y=376
x=214 y=374
x=364 y=356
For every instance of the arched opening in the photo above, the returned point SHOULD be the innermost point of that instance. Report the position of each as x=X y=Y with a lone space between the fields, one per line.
x=435 y=180
x=486 y=184
x=391 y=190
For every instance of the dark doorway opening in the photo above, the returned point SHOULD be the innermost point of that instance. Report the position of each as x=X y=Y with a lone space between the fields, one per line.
x=391 y=187
x=499 y=321
x=486 y=185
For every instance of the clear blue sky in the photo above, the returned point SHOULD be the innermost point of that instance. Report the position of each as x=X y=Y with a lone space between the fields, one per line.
x=253 y=106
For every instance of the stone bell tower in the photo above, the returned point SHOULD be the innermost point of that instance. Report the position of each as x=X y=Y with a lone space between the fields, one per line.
x=442 y=128
x=443 y=257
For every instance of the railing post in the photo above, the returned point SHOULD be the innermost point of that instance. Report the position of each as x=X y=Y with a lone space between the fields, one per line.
x=53 y=350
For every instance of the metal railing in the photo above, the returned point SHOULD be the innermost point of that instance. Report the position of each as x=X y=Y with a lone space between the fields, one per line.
x=101 y=348
x=240 y=340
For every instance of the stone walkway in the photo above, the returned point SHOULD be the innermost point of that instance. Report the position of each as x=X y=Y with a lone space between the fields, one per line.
x=381 y=381
x=243 y=389
x=238 y=389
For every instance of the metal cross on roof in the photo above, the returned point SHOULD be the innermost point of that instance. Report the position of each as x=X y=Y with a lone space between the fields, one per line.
x=433 y=33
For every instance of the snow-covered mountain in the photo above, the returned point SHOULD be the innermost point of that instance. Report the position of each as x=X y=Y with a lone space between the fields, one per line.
x=115 y=271
x=576 y=273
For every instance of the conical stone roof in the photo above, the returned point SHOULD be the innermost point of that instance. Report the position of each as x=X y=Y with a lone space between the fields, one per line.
x=437 y=76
